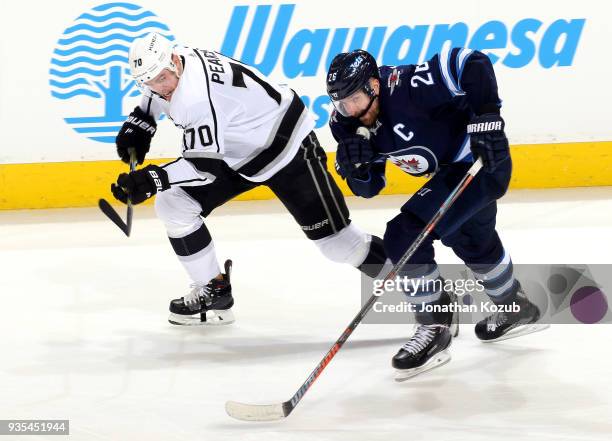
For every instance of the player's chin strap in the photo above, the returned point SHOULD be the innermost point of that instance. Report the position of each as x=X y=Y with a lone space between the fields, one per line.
x=364 y=111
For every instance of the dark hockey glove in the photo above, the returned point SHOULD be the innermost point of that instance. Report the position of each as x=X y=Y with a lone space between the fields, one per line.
x=353 y=157
x=136 y=132
x=140 y=185
x=488 y=140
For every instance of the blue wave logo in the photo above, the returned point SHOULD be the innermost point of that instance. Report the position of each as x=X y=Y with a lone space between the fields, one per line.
x=90 y=65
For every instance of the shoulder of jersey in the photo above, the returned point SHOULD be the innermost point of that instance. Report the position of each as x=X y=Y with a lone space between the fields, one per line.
x=396 y=78
x=188 y=97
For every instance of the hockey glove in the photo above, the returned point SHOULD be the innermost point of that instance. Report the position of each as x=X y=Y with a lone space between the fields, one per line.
x=353 y=157
x=136 y=132
x=140 y=185
x=488 y=140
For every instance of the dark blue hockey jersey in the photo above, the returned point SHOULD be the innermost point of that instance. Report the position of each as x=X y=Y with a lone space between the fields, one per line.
x=424 y=110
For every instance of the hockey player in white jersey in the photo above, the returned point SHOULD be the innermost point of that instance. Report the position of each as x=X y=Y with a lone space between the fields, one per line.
x=239 y=131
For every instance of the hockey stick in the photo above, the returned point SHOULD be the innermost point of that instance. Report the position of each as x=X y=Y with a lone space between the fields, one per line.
x=110 y=212
x=271 y=412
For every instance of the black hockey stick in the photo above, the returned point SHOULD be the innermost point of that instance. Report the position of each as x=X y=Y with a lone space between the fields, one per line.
x=271 y=412
x=110 y=212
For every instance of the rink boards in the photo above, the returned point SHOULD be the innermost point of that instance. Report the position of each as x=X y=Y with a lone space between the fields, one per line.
x=60 y=115
x=81 y=184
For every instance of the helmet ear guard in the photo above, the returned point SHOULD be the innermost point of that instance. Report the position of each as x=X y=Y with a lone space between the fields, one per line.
x=150 y=55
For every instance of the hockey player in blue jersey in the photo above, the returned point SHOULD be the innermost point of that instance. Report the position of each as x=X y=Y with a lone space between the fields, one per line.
x=432 y=119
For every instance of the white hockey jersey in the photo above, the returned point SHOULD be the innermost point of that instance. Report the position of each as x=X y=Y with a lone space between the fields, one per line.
x=229 y=111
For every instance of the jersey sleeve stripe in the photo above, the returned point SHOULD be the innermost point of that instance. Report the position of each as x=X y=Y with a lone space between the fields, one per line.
x=465 y=153
x=197 y=154
x=461 y=59
x=449 y=81
x=212 y=107
x=185 y=181
x=282 y=139
x=452 y=66
x=170 y=163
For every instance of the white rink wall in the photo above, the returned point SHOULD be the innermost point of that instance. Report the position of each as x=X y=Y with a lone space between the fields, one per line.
x=65 y=88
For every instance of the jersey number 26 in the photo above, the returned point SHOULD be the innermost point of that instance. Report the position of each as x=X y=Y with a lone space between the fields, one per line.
x=427 y=79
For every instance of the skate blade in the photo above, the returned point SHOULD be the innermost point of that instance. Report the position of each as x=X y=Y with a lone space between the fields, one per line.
x=218 y=317
x=440 y=359
x=519 y=331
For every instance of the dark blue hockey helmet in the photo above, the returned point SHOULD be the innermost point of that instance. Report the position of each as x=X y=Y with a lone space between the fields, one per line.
x=349 y=72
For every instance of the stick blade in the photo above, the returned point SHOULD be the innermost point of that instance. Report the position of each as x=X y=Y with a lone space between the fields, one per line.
x=110 y=212
x=255 y=412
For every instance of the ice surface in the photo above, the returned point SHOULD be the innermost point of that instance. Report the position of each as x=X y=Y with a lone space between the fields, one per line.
x=85 y=336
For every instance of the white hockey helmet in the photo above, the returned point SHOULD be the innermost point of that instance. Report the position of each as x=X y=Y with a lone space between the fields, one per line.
x=150 y=55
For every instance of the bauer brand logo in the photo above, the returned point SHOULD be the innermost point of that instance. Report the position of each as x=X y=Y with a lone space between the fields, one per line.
x=266 y=37
x=142 y=124
x=315 y=226
x=156 y=180
x=89 y=67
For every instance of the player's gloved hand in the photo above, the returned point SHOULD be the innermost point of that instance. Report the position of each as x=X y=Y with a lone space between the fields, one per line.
x=353 y=157
x=136 y=132
x=488 y=140
x=140 y=185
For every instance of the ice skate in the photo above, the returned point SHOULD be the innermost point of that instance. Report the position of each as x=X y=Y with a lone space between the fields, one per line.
x=426 y=350
x=503 y=325
x=208 y=304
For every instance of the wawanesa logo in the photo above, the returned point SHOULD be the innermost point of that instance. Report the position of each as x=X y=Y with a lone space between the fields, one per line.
x=89 y=68
x=309 y=52
x=305 y=49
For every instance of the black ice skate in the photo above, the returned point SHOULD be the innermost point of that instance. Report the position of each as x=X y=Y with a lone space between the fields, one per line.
x=206 y=304
x=426 y=350
x=503 y=325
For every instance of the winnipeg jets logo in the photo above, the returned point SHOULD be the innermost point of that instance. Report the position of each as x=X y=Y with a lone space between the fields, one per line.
x=411 y=163
x=357 y=62
x=417 y=160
